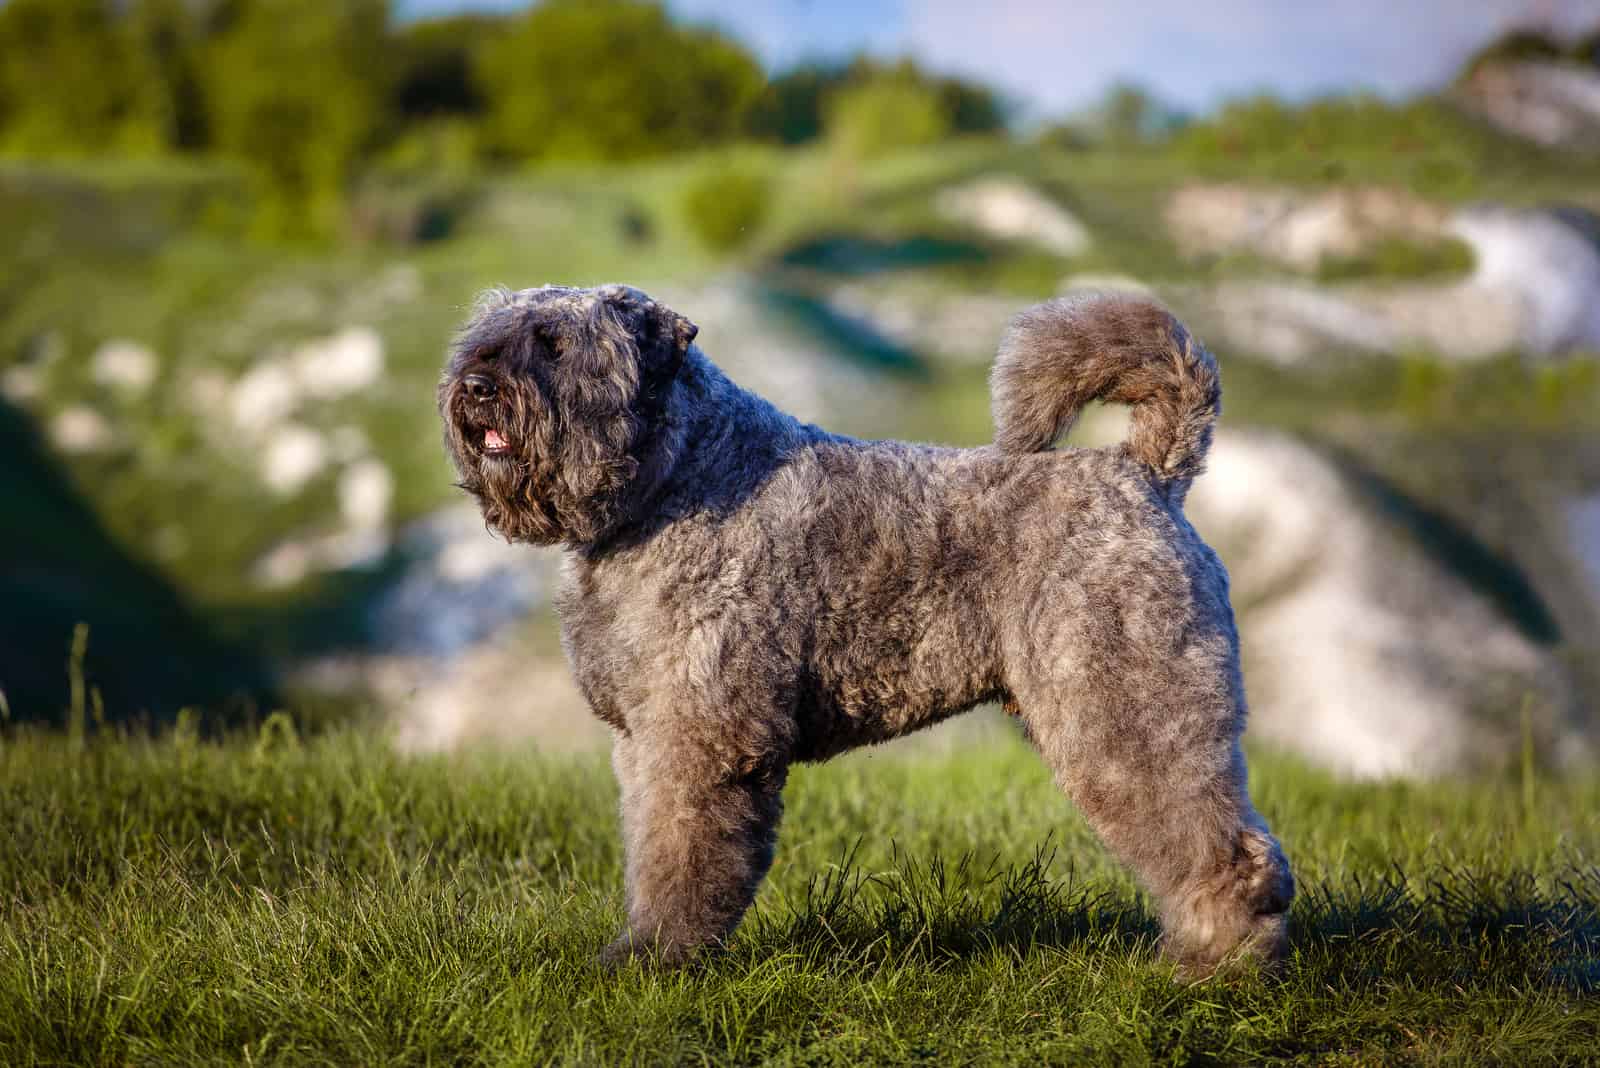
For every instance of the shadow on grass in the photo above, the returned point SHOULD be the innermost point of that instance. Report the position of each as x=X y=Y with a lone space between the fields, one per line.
x=1456 y=927
x=149 y=651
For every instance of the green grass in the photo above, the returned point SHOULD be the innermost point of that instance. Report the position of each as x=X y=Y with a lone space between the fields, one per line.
x=267 y=900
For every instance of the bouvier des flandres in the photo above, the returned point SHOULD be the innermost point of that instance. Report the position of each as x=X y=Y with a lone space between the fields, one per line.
x=743 y=590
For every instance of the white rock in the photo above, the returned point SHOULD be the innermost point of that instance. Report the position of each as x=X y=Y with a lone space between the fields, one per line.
x=284 y=565
x=350 y=549
x=959 y=327
x=1583 y=518
x=1295 y=227
x=292 y=457
x=1535 y=289
x=1555 y=104
x=1362 y=653
x=491 y=694
x=1012 y=210
x=1548 y=265
x=20 y=383
x=206 y=392
x=290 y=562
x=366 y=489
x=1286 y=321
x=337 y=366
x=264 y=396
x=463 y=584
x=80 y=429
x=124 y=365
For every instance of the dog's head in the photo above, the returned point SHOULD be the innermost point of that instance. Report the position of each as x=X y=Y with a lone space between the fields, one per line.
x=550 y=403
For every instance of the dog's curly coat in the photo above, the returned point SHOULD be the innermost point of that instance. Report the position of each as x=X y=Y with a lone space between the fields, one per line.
x=743 y=590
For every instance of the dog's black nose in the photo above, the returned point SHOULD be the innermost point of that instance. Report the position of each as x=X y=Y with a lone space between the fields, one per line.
x=479 y=387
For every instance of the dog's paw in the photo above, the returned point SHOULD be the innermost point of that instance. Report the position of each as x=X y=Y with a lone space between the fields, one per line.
x=631 y=949
x=1265 y=881
x=623 y=951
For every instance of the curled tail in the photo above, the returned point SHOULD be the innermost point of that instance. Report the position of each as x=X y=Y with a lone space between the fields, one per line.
x=1057 y=357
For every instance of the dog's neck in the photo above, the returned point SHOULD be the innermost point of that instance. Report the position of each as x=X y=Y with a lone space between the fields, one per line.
x=712 y=445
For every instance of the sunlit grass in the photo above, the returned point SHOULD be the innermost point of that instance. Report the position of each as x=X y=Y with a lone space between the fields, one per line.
x=328 y=901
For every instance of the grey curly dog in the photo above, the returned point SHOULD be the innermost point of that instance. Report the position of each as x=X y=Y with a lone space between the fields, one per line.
x=743 y=590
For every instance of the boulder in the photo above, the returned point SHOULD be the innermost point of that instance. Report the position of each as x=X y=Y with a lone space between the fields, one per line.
x=1012 y=210
x=124 y=365
x=1363 y=651
x=1534 y=289
x=1298 y=228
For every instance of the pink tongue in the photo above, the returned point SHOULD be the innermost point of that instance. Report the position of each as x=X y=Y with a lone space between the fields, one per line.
x=493 y=440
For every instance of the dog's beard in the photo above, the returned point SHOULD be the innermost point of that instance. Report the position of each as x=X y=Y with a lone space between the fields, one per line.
x=498 y=453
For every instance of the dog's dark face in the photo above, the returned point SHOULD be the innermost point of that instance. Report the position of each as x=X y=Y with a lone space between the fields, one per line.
x=551 y=401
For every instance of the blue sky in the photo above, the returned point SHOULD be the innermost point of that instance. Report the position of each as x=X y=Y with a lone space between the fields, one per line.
x=1055 y=56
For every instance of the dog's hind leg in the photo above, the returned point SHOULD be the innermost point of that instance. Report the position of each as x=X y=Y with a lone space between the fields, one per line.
x=1155 y=766
x=698 y=837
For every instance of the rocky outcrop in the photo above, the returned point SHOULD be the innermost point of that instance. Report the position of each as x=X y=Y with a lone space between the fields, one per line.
x=1296 y=228
x=1552 y=104
x=1012 y=210
x=1363 y=652
x=1534 y=289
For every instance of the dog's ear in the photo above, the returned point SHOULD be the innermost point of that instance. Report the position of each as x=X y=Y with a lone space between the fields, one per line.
x=663 y=336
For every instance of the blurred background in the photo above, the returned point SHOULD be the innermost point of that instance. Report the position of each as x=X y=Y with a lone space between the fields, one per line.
x=238 y=235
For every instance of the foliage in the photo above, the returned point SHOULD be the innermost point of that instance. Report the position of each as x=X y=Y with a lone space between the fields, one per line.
x=435 y=73
x=794 y=106
x=726 y=206
x=612 y=79
x=886 y=113
x=1523 y=44
x=295 y=90
x=74 y=80
x=1438 y=150
x=1397 y=258
x=276 y=899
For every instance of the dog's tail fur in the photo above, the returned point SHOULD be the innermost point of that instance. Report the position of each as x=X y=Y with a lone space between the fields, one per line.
x=1057 y=357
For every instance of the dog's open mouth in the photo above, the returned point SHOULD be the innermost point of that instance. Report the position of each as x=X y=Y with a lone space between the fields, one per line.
x=494 y=442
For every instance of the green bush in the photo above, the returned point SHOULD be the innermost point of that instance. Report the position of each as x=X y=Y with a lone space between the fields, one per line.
x=885 y=114
x=1397 y=257
x=296 y=93
x=794 y=106
x=1424 y=142
x=73 y=81
x=612 y=79
x=726 y=207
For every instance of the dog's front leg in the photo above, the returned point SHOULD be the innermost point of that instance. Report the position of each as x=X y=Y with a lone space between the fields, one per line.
x=698 y=832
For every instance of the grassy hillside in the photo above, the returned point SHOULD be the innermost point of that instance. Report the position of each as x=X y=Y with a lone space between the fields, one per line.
x=175 y=502
x=271 y=900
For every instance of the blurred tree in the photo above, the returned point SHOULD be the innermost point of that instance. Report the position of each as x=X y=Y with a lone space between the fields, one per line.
x=793 y=107
x=790 y=108
x=296 y=90
x=70 y=81
x=612 y=79
x=435 y=60
x=885 y=113
x=1127 y=116
x=727 y=206
x=167 y=40
x=1587 y=48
